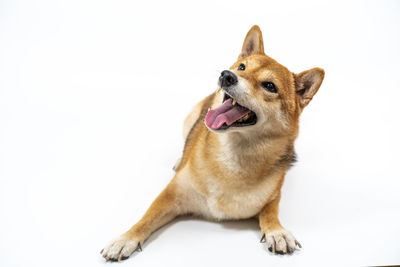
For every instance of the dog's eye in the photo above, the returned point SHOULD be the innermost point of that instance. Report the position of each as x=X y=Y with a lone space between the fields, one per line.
x=270 y=87
x=241 y=67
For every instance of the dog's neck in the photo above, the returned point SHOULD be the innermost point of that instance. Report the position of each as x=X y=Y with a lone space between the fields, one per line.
x=238 y=150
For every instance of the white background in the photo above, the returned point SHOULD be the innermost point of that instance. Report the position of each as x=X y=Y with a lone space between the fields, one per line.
x=92 y=99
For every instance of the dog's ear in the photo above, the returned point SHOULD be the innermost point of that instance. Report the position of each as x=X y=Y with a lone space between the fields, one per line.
x=253 y=43
x=307 y=85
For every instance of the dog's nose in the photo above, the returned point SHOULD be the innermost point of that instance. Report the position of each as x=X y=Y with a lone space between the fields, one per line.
x=227 y=78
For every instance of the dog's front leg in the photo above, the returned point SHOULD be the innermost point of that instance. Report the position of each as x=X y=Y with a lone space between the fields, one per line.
x=165 y=208
x=278 y=239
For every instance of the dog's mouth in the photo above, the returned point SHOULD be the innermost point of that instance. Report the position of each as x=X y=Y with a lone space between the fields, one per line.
x=229 y=114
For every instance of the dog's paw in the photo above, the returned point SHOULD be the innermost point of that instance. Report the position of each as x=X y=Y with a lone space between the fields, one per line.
x=280 y=241
x=120 y=248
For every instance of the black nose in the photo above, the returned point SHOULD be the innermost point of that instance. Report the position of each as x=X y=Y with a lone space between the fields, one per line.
x=227 y=78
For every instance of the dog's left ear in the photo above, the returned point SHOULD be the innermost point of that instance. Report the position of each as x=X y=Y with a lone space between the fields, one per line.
x=253 y=43
x=307 y=85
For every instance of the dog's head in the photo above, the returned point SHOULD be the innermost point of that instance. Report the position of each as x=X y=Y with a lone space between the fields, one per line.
x=258 y=93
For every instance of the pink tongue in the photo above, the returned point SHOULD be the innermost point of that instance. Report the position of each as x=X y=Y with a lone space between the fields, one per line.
x=224 y=113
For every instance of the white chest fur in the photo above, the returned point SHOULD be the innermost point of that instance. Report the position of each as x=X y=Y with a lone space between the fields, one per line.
x=240 y=202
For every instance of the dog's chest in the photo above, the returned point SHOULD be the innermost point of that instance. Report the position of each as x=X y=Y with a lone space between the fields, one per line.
x=239 y=201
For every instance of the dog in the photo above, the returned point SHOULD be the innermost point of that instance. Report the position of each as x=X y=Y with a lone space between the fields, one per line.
x=239 y=144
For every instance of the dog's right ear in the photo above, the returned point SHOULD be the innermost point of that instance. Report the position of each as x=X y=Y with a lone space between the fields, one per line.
x=253 y=43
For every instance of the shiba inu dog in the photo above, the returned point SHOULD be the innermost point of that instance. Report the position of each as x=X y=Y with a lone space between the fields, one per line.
x=239 y=144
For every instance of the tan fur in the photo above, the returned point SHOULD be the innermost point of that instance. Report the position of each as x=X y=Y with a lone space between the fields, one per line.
x=191 y=118
x=237 y=173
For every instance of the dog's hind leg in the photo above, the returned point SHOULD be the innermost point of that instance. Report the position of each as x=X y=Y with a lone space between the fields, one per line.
x=178 y=161
x=191 y=118
x=188 y=123
x=164 y=209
